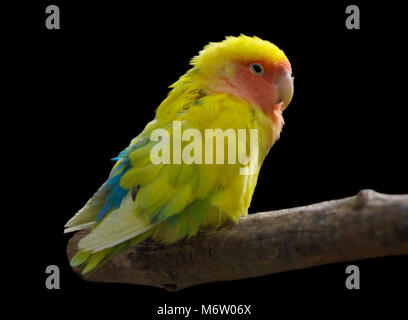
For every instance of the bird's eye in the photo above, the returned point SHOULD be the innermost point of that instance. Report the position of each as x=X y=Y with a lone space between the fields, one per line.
x=256 y=68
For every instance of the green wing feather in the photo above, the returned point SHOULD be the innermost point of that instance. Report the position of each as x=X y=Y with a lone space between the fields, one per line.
x=168 y=202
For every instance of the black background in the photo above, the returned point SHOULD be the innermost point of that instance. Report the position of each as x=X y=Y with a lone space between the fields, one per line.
x=86 y=90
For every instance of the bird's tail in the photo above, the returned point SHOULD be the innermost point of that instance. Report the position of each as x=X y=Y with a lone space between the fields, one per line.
x=90 y=261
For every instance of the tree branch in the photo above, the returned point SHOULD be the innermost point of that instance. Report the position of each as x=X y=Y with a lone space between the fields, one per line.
x=367 y=225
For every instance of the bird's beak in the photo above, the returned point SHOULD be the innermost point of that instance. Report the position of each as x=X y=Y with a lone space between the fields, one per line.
x=285 y=89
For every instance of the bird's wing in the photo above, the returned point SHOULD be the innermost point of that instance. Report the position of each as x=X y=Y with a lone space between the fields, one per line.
x=143 y=194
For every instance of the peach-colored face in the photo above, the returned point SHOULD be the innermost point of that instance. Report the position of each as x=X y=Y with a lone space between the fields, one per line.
x=264 y=84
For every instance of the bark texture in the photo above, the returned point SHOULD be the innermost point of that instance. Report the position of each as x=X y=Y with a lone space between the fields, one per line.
x=367 y=225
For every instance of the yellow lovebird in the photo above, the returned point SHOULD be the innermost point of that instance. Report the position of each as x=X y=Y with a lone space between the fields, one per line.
x=173 y=181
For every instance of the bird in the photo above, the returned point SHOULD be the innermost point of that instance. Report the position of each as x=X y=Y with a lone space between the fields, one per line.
x=240 y=83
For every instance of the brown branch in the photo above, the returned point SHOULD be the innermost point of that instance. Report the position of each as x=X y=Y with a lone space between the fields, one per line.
x=367 y=225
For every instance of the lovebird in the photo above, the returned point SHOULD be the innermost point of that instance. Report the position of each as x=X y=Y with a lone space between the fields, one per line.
x=170 y=183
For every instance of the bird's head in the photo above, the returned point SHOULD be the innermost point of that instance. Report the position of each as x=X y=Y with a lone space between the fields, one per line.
x=249 y=68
